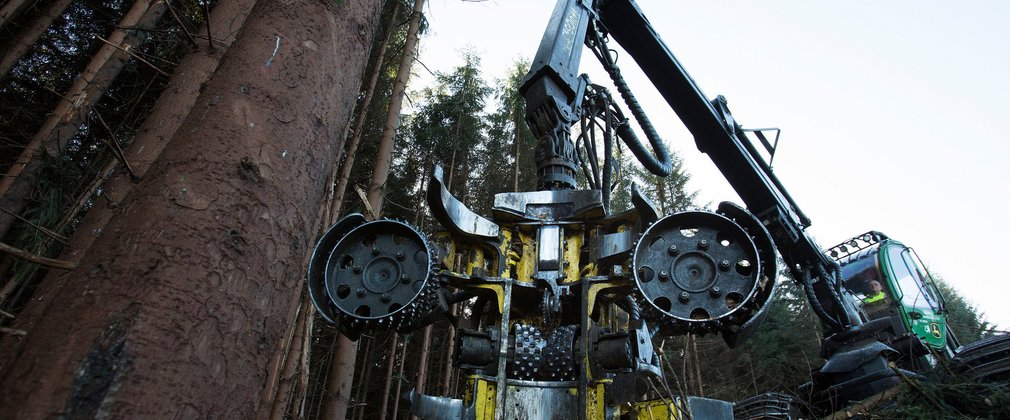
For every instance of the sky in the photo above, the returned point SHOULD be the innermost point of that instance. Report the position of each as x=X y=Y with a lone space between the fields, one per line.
x=891 y=112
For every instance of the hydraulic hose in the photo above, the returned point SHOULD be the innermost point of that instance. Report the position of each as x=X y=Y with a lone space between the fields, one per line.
x=608 y=167
x=808 y=288
x=835 y=294
x=660 y=163
x=629 y=305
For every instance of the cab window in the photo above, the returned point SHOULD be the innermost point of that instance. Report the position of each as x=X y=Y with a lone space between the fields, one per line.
x=907 y=275
x=863 y=279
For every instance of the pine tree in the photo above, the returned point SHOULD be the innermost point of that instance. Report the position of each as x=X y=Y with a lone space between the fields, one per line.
x=193 y=279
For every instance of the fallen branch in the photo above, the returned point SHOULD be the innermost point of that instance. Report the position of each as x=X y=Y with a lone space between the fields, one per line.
x=863 y=407
x=134 y=55
x=12 y=331
x=60 y=238
x=7 y=314
x=32 y=258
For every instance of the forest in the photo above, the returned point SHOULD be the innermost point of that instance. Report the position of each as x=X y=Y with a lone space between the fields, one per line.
x=170 y=164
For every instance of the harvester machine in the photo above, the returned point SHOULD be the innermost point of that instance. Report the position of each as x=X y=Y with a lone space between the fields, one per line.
x=569 y=297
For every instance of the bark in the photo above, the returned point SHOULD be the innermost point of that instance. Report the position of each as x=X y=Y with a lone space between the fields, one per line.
x=165 y=118
x=30 y=34
x=12 y=10
x=385 y=153
x=70 y=114
x=180 y=308
x=389 y=376
x=359 y=124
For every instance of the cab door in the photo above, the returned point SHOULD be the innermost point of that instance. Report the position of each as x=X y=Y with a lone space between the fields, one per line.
x=919 y=303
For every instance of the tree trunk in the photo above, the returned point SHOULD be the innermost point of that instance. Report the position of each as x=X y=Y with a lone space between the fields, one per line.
x=697 y=366
x=30 y=34
x=363 y=368
x=399 y=378
x=12 y=10
x=342 y=373
x=165 y=118
x=422 y=370
x=389 y=376
x=361 y=400
x=385 y=153
x=283 y=397
x=70 y=114
x=447 y=376
x=338 y=387
x=359 y=124
x=181 y=307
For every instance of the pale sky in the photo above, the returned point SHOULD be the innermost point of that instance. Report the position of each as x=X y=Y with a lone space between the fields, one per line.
x=892 y=113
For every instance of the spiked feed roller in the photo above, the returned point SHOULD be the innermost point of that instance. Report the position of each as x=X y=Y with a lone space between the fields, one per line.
x=377 y=274
x=699 y=272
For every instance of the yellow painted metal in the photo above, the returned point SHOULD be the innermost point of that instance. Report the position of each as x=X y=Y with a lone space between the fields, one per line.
x=499 y=292
x=476 y=261
x=511 y=257
x=485 y=399
x=595 y=290
x=595 y=405
x=570 y=255
x=656 y=410
x=528 y=261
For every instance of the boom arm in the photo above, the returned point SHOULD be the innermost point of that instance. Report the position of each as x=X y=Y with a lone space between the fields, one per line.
x=553 y=93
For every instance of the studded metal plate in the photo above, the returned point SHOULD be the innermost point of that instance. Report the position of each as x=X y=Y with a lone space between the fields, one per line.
x=696 y=272
x=529 y=345
x=559 y=356
x=380 y=275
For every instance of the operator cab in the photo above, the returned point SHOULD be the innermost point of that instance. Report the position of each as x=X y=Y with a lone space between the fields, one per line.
x=864 y=279
x=888 y=280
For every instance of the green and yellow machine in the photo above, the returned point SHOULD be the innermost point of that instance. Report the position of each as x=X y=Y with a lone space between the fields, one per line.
x=568 y=296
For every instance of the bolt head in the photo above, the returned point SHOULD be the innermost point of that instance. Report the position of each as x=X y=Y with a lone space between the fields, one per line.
x=375 y=251
x=400 y=255
x=357 y=269
x=361 y=292
x=672 y=250
x=664 y=275
x=684 y=296
x=715 y=291
x=384 y=297
x=404 y=278
x=724 y=265
x=703 y=244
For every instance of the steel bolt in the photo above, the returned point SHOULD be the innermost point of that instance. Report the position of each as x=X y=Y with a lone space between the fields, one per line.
x=375 y=251
x=724 y=265
x=357 y=269
x=361 y=292
x=664 y=275
x=404 y=279
x=715 y=291
x=400 y=256
x=684 y=296
x=384 y=297
x=672 y=250
x=703 y=244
